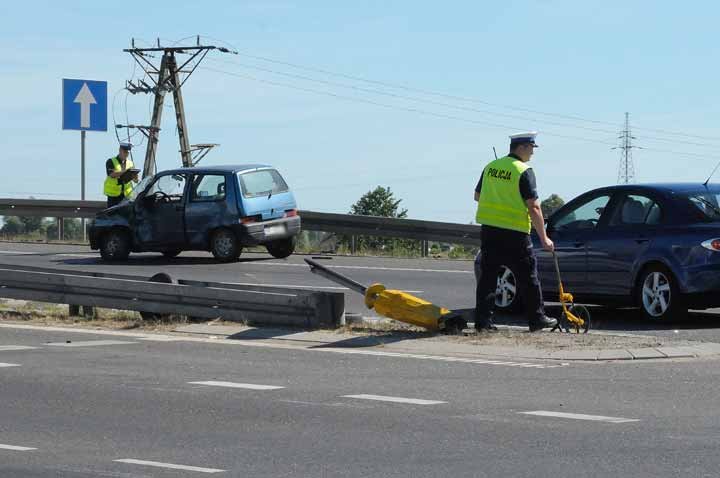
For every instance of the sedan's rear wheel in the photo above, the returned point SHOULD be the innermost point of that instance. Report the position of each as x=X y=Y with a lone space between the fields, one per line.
x=659 y=296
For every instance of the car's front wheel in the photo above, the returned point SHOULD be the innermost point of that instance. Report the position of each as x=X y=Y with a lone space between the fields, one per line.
x=282 y=248
x=658 y=294
x=225 y=246
x=506 y=297
x=115 y=245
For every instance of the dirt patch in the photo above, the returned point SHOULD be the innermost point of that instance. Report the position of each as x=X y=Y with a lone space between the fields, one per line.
x=41 y=313
x=512 y=337
x=383 y=331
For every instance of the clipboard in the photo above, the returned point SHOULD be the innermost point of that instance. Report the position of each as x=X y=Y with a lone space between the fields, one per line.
x=128 y=175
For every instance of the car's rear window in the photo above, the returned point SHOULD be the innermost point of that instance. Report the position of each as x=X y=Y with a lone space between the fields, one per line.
x=707 y=203
x=262 y=183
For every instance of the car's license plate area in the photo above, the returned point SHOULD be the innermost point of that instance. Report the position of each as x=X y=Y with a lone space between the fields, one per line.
x=275 y=230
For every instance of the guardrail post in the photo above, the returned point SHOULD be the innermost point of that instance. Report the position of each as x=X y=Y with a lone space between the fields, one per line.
x=424 y=246
x=61 y=228
x=353 y=246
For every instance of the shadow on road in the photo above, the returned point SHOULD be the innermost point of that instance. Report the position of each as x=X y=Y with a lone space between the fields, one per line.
x=626 y=319
x=296 y=335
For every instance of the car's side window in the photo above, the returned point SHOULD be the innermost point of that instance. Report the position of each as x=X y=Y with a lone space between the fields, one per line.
x=208 y=187
x=584 y=217
x=172 y=185
x=636 y=210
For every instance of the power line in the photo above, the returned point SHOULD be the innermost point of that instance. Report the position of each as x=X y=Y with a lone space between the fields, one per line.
x=442 y=115
x=447 y=105
x=398 y=107
x=462 y=98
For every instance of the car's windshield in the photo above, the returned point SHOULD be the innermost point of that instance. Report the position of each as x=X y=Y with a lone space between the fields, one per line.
x=707 y=202
x=264 y=182
x=139 y=187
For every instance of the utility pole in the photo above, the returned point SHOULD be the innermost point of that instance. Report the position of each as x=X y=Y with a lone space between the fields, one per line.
x=166 y=78
x=626 y=172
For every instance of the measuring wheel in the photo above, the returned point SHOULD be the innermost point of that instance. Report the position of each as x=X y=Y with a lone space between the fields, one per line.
x=581 y=312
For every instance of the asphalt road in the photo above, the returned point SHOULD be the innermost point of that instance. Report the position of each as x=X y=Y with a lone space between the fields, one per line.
x=93 y=405
x=444 y=282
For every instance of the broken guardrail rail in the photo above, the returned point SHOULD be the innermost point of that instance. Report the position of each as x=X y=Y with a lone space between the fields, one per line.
x=261 y=305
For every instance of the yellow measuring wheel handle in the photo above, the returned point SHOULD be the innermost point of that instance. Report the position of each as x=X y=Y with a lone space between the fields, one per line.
x=399 y=305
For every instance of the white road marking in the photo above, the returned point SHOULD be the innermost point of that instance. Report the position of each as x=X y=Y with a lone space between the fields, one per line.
x=382 y=398
x=288 y=346
x=90 y=343
x=171 y=466
x=21 y=253
x=375 y=268
x=2 y=365
x=248 y=386
x=441 y=358
x=15 y=347
x=16 y=448
x=579 y=416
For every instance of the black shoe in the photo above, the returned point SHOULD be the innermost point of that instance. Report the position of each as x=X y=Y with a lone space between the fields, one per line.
x=544 y=323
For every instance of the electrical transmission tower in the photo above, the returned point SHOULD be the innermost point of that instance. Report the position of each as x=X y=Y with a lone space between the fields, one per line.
x=626 y=172
x=168 y=77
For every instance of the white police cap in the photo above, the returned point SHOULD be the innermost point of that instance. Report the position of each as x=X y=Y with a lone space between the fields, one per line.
x=524 y=138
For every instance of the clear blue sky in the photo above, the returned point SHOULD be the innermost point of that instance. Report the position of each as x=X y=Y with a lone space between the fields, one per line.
x=593 y=61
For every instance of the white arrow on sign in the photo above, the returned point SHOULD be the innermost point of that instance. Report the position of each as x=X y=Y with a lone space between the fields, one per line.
x=85 y=98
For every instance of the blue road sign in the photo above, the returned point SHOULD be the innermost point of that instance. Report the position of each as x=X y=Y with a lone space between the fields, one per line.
x=84 y=105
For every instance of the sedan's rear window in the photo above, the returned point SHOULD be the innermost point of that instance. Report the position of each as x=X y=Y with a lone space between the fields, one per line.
x=707 y=203
x=262 y=183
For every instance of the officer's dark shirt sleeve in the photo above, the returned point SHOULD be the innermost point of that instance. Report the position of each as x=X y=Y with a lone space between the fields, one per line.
x=528 y=188
x=479 y=185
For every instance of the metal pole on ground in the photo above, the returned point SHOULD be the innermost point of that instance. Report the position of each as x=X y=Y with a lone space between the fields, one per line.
x=82 y=178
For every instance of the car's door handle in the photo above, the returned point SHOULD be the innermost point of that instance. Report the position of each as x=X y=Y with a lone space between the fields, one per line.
x=579 y=244
x=642 y=240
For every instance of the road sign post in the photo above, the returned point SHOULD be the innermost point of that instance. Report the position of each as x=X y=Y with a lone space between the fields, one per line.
x=84 y=109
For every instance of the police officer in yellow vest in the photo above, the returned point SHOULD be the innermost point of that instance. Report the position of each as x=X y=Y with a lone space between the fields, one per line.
x=116 y=188
x=508 y=207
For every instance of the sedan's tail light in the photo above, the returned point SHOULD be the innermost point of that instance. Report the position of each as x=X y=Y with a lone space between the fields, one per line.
x=712 y=244
x=291 y=213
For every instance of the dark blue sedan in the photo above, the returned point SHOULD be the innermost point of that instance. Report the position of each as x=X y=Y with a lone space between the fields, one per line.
x=652 y=246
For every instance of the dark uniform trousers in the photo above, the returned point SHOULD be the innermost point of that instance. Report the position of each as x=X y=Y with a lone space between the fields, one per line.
x=512 y=249
x=113 y=200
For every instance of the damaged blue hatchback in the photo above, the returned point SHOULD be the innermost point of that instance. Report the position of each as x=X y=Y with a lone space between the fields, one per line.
x=218 y=209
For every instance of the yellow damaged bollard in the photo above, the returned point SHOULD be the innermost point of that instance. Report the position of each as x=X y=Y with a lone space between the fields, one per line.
x=396 y=304
x=399 y=305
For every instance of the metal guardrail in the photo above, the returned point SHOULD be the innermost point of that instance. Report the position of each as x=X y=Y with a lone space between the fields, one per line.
x=209 y=300
x=315 y=221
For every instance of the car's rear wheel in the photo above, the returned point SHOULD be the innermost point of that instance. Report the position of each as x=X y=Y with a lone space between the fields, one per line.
x=281 y=248
x=658 y=294
x=506 y=298
x=225 y=246
x=115 y=245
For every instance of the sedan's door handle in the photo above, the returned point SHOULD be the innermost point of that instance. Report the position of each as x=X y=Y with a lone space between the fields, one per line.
x=579 y=244
x=642 y=240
